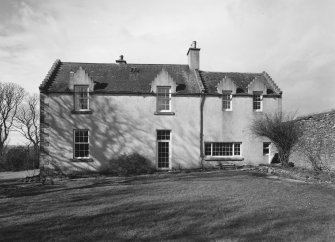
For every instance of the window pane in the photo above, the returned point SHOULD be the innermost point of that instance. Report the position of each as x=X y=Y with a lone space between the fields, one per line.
x=163 y=155
x=266 y=148
x=163 y=98
x=226 y=99
x=81 y=143
x=81 y=97
x=257 y=100
x=163 y=134
x=237 y=149
x=208 y=148
x=223 y=149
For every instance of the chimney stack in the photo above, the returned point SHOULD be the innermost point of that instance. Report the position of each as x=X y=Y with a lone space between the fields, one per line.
x=193 y=56
x=121 y=60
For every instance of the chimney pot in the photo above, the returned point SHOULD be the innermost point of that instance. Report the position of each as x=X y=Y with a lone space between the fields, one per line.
x=121 y=60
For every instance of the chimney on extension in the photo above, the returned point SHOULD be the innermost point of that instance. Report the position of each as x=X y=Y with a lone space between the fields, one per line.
x=193 y=56
x=121 y=60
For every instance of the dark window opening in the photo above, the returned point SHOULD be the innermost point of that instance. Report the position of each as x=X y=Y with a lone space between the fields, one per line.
x=269 y=91
x=180 y=87
x=239 y=90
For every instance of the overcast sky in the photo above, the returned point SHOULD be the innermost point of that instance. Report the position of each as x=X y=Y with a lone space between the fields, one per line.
x=293 y=40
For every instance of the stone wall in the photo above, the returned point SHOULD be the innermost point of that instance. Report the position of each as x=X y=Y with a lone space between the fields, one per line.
x=317 y=140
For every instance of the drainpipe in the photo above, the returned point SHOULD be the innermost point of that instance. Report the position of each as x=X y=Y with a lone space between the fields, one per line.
x=203 y=97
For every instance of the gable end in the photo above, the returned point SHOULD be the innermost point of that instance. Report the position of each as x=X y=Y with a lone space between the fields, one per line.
x=50 y=76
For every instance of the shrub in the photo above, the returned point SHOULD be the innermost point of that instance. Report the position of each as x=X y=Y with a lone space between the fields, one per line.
x=18 y=158
x=133 y=164
x=281 y=130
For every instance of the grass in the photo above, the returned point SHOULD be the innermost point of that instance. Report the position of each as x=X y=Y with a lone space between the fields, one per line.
x=228 y=205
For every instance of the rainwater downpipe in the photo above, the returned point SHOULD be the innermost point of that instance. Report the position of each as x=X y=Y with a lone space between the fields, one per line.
x=202 y=103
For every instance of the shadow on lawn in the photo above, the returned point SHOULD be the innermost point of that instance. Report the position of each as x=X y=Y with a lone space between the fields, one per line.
x=109 y=209
x=167 y=221
x=15 y=188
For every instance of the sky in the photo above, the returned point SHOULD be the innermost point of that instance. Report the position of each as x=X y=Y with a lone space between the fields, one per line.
x=292 y=40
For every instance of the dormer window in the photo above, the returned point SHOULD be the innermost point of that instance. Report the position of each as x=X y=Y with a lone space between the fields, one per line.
x=81 y=100
x=163 y=99
x=227 y=98
x=257 y=101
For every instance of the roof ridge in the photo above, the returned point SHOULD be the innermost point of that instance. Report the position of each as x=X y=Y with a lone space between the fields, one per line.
x=104 y=63
x=232 y=72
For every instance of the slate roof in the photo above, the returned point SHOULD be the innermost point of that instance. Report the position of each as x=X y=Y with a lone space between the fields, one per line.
x=241 y=80
x=137 y=78
x=118 y=78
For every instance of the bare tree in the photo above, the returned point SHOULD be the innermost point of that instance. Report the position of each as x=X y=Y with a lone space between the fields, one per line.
x=27 y=122
x=11 y=96
x=281 y=130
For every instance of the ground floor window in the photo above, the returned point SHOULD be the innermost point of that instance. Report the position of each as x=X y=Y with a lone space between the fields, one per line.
x=222 y=149
x=163 y=148
x=266 y=148
x=81 y=143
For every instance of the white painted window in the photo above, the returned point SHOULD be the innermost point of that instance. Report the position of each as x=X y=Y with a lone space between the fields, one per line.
x=81 y=143
x=266 y=148
x=163 y=99
x=163 y=148
x=222 y=149
x=227 y=98
x=81 y=98
x=257 y=101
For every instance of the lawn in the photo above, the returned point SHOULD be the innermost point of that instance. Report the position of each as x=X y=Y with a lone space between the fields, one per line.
x=228 y=205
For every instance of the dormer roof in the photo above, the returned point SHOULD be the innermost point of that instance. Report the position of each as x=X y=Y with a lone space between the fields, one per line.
x=241 y=80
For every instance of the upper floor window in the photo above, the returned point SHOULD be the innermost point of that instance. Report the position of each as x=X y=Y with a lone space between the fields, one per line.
x=81 y=98
x=163 y=99
x=227 y=98
x=257 y=101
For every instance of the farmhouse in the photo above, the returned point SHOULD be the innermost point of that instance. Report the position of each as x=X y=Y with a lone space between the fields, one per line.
x=175 y=115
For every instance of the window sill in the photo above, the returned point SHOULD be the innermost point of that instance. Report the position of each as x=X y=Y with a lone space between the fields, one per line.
x=81 y=160
x=164 y=113
x=226 y=158
x=82 y=112
x=163 y=169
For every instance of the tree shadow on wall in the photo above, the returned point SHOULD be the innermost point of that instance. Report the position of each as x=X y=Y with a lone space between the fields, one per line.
x=113 y=132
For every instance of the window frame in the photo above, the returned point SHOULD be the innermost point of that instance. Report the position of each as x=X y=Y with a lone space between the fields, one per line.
x=74 y=144
x=158 y=96
x=77 y=98
x=164 y=140
x=227 y=101
x=260 y=101
x=234 y=147
x=268 y=144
